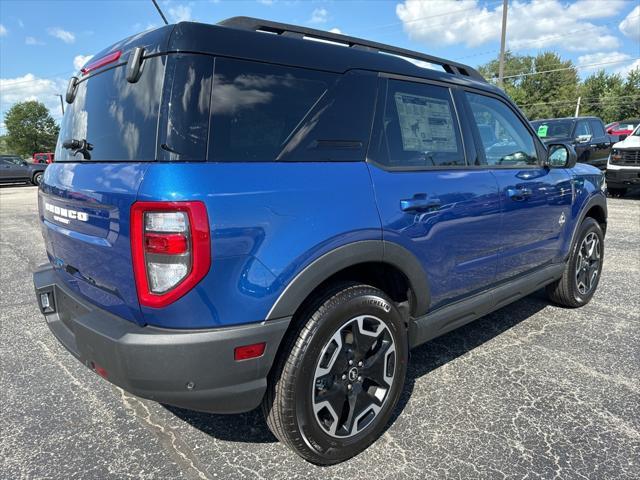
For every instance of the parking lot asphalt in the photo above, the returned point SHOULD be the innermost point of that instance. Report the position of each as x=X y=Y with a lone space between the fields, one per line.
x=531 y=390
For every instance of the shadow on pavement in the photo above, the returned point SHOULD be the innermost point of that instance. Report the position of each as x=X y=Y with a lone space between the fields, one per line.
x=250 y=427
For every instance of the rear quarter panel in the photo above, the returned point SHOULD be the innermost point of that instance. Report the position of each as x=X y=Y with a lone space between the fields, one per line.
x=268 y=221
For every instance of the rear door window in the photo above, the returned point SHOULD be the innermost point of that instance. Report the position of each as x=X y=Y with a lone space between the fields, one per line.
x=596 y=128
x=419 y=128
x=257 y=108
x=119 y=119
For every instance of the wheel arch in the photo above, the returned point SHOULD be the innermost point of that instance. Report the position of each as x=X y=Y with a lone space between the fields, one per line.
x=596 y=208
x=376 y=262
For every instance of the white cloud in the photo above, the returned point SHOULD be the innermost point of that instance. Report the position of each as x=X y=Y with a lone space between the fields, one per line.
x=80 y=60
x=630 y=26
x=336 y=30
x=536 y=24
x=30 y=87
x=319 y=15
x=180 y=13
x=64 y=35
x=32 y=41
x=587 y=61
x=20 y=23
x=266 y=2
x=624 y=71
x=3 y=31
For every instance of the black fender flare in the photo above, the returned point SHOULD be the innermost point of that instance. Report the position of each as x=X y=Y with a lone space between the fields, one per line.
x=597 y=200
x=347 y=256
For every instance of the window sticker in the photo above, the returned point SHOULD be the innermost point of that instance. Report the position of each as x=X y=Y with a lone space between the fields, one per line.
x=542 y=130
x=426 y=123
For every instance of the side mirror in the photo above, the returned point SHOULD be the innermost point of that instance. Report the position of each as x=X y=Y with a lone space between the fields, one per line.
x=561 y=155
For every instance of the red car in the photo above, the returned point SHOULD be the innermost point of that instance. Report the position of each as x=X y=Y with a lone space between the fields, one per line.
x=43 y=157
x=623 y=127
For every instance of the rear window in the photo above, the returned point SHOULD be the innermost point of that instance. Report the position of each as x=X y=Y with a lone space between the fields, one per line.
x=257 y=108
x=119 y=119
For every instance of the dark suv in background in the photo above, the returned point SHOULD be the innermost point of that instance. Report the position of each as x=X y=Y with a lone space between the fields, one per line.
x=14 y=169
x=586 y=134
x=238 y=216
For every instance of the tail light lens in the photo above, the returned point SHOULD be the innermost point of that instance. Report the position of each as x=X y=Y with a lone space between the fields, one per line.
x=171 y=249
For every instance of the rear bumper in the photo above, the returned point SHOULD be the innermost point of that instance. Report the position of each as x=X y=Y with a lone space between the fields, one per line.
x=623 y=177
x=193 y=369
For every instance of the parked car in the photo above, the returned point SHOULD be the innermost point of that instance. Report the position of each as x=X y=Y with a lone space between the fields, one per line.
x=620 y=130
x=586 y=134
x=623 y=167
x=284 y=234
x=43 y=157
x=13 y=169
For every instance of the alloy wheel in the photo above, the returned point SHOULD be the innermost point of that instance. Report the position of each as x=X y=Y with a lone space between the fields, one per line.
x=353 y=376
x=588 y=263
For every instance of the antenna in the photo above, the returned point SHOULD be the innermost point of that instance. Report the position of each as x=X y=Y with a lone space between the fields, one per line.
x=160 y=12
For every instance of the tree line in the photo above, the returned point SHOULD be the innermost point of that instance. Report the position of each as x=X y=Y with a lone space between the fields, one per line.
x=555 y=92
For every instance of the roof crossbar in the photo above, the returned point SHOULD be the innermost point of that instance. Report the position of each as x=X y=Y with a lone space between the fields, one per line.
x=286 y=30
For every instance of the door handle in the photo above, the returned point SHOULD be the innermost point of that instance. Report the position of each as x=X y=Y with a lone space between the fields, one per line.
x=519 y=194
x=420 y=202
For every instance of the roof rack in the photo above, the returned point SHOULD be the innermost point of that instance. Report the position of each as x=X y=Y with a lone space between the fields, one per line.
x=294 y=31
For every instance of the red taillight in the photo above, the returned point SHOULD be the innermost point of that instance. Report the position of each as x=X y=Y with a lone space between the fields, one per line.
x=249 y=351
x=166 y=243
x=170 y=248
x=101 y=62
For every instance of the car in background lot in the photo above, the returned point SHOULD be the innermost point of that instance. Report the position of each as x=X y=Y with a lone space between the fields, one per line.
x=13 y=169
x=586 y=134
x=623 y=128
x=623 y=167
x=43 y=157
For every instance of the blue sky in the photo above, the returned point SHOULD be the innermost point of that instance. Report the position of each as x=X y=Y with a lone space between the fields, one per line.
x=42 y=43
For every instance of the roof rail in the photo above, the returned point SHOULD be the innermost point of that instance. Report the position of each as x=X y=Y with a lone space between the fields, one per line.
x=286 y=30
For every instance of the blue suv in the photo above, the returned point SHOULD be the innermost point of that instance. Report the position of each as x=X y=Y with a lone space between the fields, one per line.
x=241 y=215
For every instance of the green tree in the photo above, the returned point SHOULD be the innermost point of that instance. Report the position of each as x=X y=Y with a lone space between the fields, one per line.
x=30 y=128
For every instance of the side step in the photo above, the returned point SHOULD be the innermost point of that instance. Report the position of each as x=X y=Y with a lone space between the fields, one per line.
x=450 y=317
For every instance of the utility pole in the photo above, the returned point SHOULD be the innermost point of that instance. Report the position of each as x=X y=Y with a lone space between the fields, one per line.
x=503 y=41
x=578 y=107
x=61 y=102
x=160 y=12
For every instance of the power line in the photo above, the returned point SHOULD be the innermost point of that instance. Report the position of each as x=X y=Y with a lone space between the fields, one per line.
x=588 y=102
x=575 y=67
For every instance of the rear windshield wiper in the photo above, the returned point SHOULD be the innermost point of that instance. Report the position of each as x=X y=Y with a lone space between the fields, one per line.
x=78 y=146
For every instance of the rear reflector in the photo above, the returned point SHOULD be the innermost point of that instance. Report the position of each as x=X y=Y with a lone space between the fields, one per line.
x=249 y=351
x=101 y=62
x=167 y=243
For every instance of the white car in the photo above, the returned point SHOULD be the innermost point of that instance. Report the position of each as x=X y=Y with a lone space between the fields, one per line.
x=623 y=165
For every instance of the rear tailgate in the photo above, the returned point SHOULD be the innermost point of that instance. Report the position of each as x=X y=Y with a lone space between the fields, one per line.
x=86 y=197
x=86 y=230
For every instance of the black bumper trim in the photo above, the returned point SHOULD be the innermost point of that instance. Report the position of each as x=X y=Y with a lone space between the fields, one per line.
x=160 y=364
x=623 y=178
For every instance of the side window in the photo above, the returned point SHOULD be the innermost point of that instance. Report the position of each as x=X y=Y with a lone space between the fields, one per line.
x=596 y=128
x=418 y=128
x=582 y=129
x=257 y=108
x=505 y=139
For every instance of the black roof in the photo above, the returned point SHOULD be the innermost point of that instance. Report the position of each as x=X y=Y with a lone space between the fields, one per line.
x=260 y=40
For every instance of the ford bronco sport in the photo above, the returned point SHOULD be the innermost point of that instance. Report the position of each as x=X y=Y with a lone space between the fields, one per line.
x=240 y=216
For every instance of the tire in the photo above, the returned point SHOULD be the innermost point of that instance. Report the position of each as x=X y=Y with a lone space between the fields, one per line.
x=617 y=192
x=313 y=373
x=582 y=271
x=37 y=178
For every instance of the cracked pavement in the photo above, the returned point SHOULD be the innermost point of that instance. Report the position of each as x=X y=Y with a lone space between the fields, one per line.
x=531 y=390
